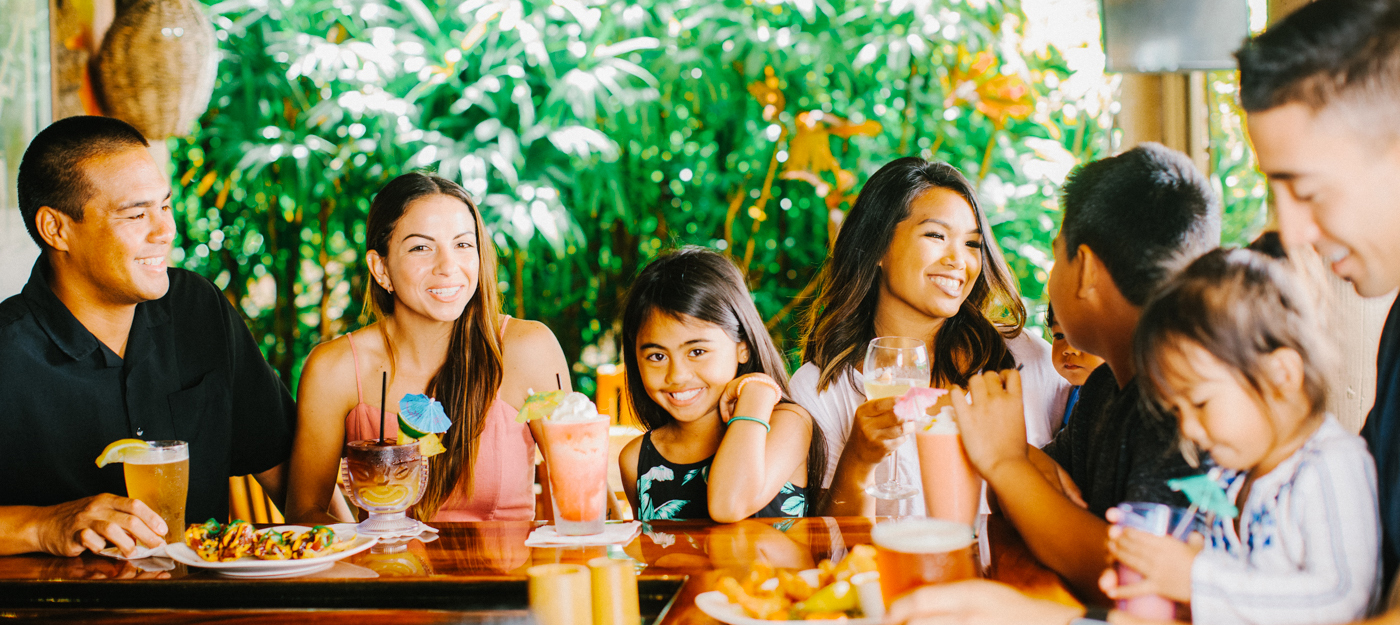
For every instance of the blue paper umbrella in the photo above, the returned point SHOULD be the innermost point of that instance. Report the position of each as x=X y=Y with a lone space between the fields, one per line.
x=1205 y=494
x=422 y=415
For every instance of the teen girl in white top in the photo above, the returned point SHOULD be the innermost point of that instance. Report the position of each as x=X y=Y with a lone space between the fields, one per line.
x=914 y=258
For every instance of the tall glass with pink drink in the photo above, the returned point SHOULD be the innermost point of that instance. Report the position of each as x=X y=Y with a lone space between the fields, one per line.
x=1154 y=518
x=952 y=488
x=575 y=446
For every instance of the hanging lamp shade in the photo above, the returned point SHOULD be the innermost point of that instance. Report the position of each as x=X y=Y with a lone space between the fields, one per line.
x=157 y=65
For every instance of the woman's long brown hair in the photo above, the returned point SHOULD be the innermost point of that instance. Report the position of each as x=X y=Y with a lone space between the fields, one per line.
x=841 y=321
x=470 y=376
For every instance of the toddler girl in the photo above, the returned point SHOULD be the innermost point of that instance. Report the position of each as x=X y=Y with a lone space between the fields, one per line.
x=1232 y=348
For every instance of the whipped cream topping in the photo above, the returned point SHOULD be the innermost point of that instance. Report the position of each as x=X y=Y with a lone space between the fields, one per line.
x=575 y=407
x=942 y=423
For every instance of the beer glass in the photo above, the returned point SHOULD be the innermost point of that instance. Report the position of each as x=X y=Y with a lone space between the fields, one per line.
x=159 y=476
x=914 y=552
x=384 y=480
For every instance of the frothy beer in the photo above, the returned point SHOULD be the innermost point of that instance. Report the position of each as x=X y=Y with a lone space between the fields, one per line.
x=917 y=552
x=160 y=478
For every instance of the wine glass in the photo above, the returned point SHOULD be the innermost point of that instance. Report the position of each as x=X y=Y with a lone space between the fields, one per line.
x=893 y=365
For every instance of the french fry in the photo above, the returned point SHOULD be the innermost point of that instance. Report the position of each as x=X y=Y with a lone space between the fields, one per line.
x=794 y=587
x=779 y=595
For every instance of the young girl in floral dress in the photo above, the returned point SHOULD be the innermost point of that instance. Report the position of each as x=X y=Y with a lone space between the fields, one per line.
x=723 y=441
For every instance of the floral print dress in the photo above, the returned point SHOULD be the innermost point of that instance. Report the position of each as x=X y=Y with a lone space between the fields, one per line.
x=672 y=491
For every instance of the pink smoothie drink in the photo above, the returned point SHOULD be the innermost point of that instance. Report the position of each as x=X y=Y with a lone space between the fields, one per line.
x=1153 y=518
x=576 y=453
x=1147 y=606
x=952 y=488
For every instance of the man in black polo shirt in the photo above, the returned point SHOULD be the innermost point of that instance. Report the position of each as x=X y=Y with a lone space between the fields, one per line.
x=106 y=342
x=1130 y=222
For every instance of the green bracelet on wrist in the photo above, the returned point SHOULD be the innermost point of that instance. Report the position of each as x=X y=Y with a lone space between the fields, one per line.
x=766 y=427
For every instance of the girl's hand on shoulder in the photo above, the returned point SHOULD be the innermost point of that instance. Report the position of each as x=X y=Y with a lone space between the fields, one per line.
x=1164 y=563
x=750 y=395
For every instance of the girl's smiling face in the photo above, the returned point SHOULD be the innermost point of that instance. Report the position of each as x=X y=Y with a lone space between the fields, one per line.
x=685 y=363
x=1218 y=411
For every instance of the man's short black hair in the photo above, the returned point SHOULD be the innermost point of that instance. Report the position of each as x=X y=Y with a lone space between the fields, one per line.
x=1145 y=213
x=1326 y=50
x=51 y=173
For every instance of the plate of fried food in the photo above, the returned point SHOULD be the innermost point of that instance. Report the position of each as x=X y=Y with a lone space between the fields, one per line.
x=236 y=549
x=848 y=591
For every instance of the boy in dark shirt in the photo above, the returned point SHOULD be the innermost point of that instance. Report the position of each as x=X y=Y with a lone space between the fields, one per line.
x=1130 y=221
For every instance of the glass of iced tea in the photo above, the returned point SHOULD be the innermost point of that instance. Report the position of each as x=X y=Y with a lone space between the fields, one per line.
x=914 y=552
x=160 y=477
x=384 y=480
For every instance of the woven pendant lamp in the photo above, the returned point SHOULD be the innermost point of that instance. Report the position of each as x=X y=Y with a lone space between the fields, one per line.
x=157 y=65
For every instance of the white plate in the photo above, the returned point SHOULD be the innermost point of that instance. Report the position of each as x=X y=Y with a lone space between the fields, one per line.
x=248 y=566
x=718 y=607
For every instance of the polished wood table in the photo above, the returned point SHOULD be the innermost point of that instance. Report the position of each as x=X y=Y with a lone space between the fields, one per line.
x=473 y=573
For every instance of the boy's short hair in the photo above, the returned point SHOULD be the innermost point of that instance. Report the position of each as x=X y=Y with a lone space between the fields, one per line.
x=1145 y=213
x=1327 y=52
x=1049 y=315
x=51 y=172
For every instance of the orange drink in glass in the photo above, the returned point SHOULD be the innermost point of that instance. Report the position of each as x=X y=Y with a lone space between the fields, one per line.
x=914 y=552
x=576 y=454
x=159 y=476
x=952 y=488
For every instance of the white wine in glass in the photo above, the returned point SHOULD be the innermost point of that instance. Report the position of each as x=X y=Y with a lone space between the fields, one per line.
x=893 y=365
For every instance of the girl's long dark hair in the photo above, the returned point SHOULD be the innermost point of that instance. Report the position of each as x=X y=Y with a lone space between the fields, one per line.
x=841 y=322
x=469 y=378
x=696 y=282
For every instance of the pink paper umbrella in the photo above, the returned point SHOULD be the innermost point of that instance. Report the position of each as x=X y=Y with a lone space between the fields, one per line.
x=915 y=402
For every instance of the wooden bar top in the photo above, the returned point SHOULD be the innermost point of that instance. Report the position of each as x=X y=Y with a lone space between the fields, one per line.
x=474 y=572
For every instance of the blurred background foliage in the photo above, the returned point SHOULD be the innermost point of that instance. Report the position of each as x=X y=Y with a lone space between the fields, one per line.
x=597 y=134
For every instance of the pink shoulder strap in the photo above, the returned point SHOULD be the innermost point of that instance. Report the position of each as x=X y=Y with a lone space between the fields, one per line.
x=355 y=358
x=504 y=320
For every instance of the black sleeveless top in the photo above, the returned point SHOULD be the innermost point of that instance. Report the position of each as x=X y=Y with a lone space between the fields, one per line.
x=671 y=491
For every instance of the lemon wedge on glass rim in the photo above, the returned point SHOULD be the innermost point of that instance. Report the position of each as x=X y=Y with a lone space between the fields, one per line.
x=117 y=451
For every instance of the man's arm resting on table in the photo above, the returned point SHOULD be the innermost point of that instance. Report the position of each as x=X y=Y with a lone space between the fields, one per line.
x=90 y=523
x=1066 y=538
x=983 y=602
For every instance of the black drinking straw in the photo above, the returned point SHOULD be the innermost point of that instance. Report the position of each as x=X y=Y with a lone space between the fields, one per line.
x=559 y=381
x=383 y=391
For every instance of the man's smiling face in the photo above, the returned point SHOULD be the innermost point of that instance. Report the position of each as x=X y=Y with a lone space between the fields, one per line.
x=1335 y=188
x=121 y=246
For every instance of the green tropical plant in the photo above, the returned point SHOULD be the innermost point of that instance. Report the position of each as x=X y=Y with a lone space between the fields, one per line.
x=595 y=135
x=1234 y=174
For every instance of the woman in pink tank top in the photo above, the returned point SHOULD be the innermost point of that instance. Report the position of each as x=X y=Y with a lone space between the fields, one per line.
x=438 y=332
